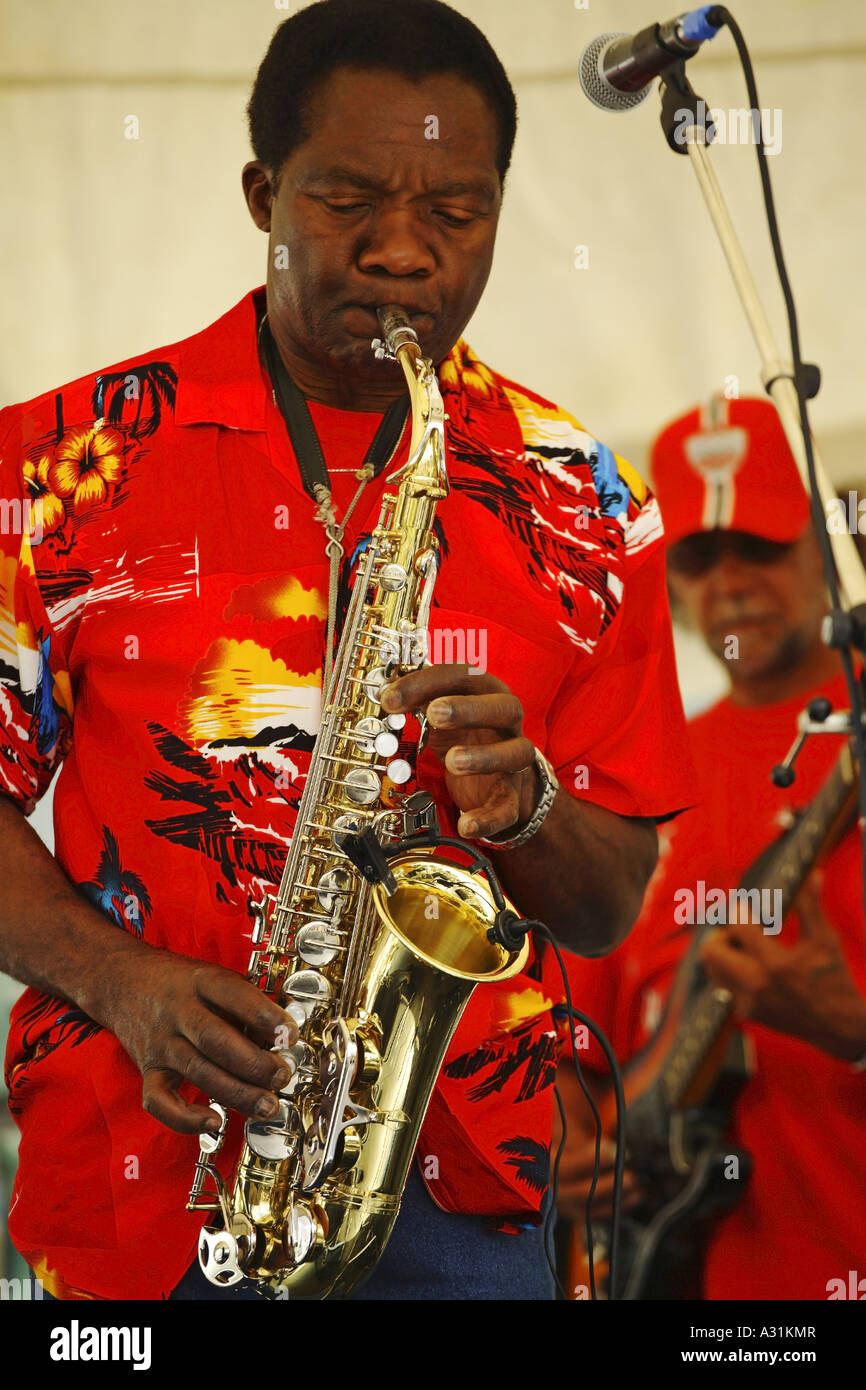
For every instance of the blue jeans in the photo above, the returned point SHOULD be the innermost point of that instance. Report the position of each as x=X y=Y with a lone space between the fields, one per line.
x=432 y=1256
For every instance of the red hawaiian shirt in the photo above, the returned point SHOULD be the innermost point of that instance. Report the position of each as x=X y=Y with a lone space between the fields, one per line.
x=162 y=618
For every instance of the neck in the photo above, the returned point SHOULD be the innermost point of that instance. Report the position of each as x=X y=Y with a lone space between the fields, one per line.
x=817 y=666
x=320 y=384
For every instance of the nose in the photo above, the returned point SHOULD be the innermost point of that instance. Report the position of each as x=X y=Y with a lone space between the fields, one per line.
x=397 y=244
x=732 y=575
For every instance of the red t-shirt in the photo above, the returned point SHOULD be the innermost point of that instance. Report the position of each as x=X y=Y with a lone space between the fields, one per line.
x=802 y=1115
x=164 y=639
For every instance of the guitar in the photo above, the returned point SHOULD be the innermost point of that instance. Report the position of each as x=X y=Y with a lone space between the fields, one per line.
x=681 y=1087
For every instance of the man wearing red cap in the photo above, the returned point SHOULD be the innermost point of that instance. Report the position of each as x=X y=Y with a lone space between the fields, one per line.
x=744 y=567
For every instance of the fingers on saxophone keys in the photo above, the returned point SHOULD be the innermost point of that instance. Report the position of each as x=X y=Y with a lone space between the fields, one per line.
x=218 y=1043
x=160 y=1098
x=232 y=995
x=432 y=682
x=511 y=755
x=494 y=711
x=221 y=1085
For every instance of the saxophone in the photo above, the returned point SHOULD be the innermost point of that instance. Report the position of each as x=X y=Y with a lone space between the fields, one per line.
x=373 y=943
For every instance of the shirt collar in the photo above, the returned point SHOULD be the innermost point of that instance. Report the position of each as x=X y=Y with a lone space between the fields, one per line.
x=220 y=378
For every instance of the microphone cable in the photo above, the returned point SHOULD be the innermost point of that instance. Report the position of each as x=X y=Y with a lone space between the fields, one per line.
x=540 y=930
x=843 y=628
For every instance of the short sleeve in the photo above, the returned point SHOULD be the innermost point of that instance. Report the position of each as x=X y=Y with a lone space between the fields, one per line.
x=617 y=731
x=35 y=689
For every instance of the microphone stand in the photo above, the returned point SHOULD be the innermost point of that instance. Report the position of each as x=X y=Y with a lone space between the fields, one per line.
x=845 y=627
x=776 y=374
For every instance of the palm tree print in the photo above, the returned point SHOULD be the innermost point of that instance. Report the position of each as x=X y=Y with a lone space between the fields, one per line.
x=529 y=1159
x=155 y=380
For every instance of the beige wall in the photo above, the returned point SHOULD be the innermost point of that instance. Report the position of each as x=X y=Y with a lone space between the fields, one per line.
x=111 y=246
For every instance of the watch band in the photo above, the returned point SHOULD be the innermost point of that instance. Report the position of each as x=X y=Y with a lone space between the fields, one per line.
x=549 y=788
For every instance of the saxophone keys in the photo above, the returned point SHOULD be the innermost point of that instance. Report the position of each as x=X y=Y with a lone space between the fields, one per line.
x=392 y=578
x=332 y=890
x=303 y=1232
x=363 y=786
x=276 y=1139
x=307 y=989
x=376 y=736
x=212 y=1143
x=374 y=681
x=219 y=1254
x=386 y=743
x=317 y=943
x=297 y=1059
x=364 y=733
x=399 y=771
x=258 y=909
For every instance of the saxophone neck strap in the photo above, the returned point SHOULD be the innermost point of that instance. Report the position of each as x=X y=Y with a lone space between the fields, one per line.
x=302 y=432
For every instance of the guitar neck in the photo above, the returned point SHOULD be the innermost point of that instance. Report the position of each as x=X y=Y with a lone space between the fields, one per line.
x=783 y=868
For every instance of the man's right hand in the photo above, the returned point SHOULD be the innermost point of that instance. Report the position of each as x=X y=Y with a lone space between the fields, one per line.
x=181 y=1020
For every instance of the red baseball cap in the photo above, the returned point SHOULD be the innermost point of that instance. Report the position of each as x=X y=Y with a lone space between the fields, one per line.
x=728 y=465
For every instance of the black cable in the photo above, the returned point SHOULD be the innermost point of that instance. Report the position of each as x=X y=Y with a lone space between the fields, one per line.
x=718 y=16
x=540 y=929
x=550 y=1220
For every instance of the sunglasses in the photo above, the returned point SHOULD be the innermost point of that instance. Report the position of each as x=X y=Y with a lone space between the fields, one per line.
x=696 y=555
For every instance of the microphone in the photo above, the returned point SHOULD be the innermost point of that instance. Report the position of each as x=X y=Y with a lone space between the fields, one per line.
x=616 y=70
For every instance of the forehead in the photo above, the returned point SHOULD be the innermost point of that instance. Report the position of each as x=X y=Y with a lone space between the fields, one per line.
x=379 y=120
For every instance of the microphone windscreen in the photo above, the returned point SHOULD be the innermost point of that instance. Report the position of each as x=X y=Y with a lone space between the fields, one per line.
x=597 y=87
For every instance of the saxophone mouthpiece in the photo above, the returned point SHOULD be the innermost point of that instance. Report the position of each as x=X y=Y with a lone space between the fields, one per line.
x=397 y=331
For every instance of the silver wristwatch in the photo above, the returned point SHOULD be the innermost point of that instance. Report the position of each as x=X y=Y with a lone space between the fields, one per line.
x=549 y=788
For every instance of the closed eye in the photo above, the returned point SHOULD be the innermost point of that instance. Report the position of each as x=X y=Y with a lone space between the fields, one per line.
x=449 y=218
x=454 y=221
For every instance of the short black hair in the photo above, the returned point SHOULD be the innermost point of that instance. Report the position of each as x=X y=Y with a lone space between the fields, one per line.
x=415 y=38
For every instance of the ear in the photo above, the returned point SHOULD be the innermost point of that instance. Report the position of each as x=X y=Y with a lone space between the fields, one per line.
x=256 y=181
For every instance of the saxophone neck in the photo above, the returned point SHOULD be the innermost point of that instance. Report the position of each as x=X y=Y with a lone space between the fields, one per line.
x=426 y=462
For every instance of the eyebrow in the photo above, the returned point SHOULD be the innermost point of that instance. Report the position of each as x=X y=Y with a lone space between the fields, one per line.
x=340 y=173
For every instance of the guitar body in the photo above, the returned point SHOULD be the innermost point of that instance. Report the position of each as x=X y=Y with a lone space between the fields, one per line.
x=682 y=1158
x=681 y=1088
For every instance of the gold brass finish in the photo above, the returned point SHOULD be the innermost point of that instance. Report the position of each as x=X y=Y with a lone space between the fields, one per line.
x=376 y=982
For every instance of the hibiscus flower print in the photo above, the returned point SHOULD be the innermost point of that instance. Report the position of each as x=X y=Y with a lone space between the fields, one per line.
x=48 y=510
x=87 y=461
x=463 y=367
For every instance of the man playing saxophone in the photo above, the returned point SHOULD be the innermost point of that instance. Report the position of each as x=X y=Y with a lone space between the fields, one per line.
x=165 y=639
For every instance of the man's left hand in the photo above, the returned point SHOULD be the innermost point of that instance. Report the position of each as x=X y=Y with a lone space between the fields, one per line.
x=476 y=732
x=805 y=990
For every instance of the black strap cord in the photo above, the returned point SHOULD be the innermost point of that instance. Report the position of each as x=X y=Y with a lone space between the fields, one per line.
x=302 y=432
